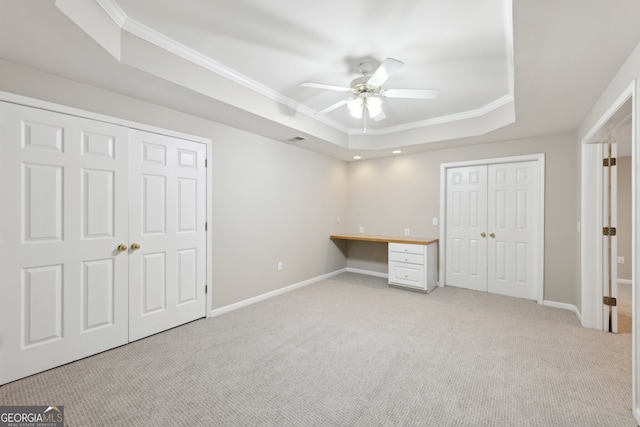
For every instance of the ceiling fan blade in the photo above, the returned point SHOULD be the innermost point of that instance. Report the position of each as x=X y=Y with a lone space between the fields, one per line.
x=333 y=107
x=384 y=71
x=324 y=86
x=411 y=93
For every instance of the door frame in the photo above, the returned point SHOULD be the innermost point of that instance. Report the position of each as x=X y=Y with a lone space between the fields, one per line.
x=591 y=220
x=591 y=242
x=50 y=106
x=540 y=159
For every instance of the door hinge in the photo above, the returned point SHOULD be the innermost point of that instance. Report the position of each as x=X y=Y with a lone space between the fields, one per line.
x=609 y=162
x=608 y=231
x=206 y=289
x=609 y=301
x=206 y=226
x=206 y=162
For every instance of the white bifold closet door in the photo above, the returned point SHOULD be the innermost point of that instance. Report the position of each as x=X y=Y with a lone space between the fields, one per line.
x=73 y=190
x=64 y=212
x=491 y=228
x=466 y=249
x=167 y=219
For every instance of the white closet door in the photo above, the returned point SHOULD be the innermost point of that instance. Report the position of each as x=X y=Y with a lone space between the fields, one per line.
x=512 y=210
x=167 y=217
x=466 y=253
x=63 y=214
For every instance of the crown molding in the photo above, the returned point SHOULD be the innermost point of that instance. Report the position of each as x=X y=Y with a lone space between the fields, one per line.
x=471 y=114
x=152 y=36
x=114 y=11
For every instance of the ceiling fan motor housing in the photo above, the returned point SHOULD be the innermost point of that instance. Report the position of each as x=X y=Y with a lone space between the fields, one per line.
x=359 y=82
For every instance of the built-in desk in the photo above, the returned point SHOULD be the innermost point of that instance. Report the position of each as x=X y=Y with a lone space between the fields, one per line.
x=412 y=260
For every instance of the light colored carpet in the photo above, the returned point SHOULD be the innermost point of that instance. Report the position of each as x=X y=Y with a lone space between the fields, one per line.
x=350 y=351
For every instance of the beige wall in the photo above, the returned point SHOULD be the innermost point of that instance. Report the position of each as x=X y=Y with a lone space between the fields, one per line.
x=390 y=194
x=276 y=202
x=271 y=201
x=624 y=217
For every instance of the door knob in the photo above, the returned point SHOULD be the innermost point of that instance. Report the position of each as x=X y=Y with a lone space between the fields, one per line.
x=122 y=247
x=135 y=246
x=492 y=235
x=483 y=234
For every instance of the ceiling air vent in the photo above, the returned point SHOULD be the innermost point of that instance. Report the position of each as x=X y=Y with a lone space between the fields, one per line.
x=296 y=139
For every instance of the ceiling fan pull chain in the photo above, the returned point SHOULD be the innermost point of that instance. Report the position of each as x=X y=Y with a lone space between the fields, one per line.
x=364 y=118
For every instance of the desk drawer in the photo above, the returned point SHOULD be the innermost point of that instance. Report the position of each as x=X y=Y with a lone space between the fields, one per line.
x=406 y=257
x=407 y=275
x=407 y=248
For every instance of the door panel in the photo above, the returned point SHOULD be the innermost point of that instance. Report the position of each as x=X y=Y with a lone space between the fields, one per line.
x=99 y=200
x=64 y=284
x=42 y=304
x=154 y=282
x=43 y=195
x=187 y=276
x=466 y=262
x=512 y=192
x=167 y=211
x=98 y=286
x=610 y=243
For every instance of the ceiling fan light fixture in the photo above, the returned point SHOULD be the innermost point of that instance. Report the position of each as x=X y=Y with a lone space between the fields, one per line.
x=355 y=107
x=367 y=91
x=374 y=105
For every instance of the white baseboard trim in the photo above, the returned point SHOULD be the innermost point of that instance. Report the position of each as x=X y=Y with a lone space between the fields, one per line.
x=625 y=281
x=564 y=306
x=237 y=305
x=367 y=272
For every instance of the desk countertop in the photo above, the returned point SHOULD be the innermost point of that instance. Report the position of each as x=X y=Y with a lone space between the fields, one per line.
x=387 y=239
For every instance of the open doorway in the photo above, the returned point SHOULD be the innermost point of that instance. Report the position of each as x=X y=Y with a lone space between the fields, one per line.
x=612 y=143
x=624 y=227
x=627 y=107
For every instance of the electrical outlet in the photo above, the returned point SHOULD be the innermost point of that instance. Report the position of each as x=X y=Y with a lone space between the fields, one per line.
x=407 y=232
x=620 y=260
x=434 y=221
x=362 y=229
x=280 y=266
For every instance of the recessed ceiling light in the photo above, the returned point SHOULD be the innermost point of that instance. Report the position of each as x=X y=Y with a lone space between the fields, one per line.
x=397 y=151
x=356 y=157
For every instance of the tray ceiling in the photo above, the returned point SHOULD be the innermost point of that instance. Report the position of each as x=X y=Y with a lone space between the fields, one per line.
x=462 y=48
x=502 y=74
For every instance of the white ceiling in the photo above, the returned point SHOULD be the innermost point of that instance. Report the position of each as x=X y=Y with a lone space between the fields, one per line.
x=243 y=56
x=280 y=44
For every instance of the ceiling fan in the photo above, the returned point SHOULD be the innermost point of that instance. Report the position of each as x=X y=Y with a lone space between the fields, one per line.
x=366 y=92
